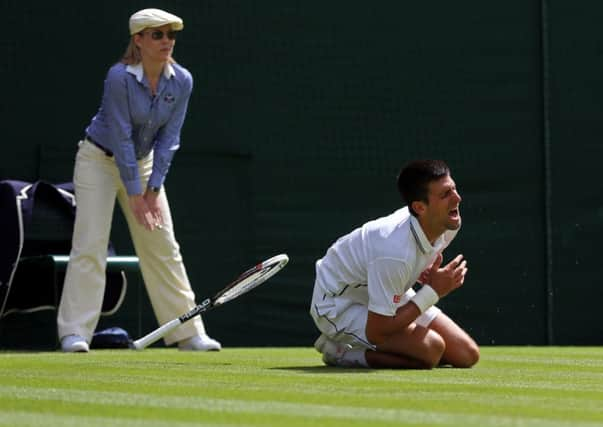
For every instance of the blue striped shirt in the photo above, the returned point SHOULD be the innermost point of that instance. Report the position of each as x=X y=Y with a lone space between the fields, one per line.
x=131 y=122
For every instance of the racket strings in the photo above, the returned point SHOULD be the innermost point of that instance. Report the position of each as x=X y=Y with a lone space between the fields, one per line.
x=246 y=284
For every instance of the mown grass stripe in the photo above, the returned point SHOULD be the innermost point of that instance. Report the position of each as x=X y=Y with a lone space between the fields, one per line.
x=28 y=419
x=382 y=393
x=115 y=399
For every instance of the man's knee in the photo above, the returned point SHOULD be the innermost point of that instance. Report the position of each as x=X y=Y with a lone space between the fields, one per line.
x=471 y=355
x=436 y=346
x=466 y=354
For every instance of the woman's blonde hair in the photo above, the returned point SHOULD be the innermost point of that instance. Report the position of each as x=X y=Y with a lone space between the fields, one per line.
x=132 y=54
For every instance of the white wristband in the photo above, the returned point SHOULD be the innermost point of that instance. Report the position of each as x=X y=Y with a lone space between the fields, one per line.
x=425 y=298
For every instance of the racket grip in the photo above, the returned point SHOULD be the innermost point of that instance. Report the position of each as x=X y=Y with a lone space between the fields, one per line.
x=156 y=335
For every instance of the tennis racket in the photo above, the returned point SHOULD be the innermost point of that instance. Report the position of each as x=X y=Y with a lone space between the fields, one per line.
x=248 y=280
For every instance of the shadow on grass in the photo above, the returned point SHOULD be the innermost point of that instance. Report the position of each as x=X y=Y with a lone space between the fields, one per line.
x=323 y=369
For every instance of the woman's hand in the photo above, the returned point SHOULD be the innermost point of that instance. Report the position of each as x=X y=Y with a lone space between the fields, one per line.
x=141 y=211
x=152 y=198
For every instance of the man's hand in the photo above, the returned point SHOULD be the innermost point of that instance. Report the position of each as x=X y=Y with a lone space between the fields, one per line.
x=448 y=278
x=424 y=278
x=141 y=211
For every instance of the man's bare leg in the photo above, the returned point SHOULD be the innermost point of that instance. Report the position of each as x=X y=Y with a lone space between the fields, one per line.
x=414 y=347
x=461 y=350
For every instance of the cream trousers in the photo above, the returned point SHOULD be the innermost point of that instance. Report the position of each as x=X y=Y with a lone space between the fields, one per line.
x=97 y=185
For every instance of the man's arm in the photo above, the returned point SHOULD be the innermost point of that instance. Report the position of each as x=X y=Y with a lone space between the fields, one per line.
x=441 y=280
x=379 y=328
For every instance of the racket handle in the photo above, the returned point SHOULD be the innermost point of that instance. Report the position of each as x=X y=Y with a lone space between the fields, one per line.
x=156 y=335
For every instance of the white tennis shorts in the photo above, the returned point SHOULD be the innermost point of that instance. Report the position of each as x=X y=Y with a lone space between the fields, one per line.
x=344 y=320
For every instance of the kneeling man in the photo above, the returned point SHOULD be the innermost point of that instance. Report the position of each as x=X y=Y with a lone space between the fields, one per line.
x=364 y=303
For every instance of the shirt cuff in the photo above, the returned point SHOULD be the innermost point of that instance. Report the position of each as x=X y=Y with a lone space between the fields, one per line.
x=155 y=181
x=133 y=187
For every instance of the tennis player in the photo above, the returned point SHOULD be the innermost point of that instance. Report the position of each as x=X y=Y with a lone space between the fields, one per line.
x=364 y=304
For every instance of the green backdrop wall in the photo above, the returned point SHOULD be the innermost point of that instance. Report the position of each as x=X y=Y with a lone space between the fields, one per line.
x=302 y=115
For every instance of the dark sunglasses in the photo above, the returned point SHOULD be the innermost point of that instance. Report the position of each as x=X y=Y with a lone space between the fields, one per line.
x=158 y=34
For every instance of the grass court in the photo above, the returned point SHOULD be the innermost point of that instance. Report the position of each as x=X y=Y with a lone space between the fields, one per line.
x=511 y=386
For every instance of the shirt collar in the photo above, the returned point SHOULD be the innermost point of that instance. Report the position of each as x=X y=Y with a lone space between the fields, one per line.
x=138 y=71
x=421 y=239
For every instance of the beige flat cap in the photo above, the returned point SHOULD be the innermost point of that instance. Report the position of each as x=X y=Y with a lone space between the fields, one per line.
x=151 y=18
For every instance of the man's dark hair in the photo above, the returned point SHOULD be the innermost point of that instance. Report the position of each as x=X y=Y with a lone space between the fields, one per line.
x=414 y=179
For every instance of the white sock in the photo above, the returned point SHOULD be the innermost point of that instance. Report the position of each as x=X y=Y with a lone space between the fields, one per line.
x=354 y=358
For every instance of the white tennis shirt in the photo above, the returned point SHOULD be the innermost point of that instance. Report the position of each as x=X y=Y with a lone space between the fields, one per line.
x=376 y=264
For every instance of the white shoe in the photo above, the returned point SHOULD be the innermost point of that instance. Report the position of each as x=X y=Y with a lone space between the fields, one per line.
x=199 y=343
x=74 y=344
x=332 y=351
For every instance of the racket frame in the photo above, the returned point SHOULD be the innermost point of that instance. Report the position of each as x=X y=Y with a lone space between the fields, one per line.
x=269 y=268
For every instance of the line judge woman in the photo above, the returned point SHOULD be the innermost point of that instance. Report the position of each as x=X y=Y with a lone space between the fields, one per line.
x=126 y=154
